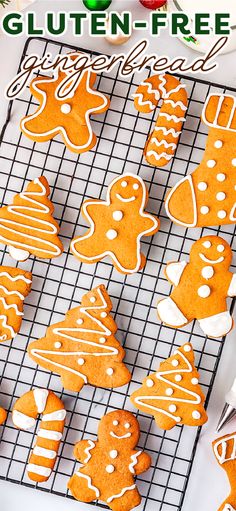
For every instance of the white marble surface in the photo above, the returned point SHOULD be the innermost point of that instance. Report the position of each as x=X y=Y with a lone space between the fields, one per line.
x=208 y=485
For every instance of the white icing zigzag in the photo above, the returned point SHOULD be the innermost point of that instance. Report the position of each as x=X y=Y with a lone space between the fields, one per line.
x=134 y=461
x=88 y=449
x=89 y=480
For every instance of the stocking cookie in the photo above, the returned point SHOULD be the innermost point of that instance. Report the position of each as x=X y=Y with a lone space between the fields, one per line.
x=15 y=285
x=83 y=348
x=208 y=195
x=162 y=142
x=224 y=449
x=24 y=415
x=117 y=226
x=27 y=226
x=201 y=288
x=172 y=394
x=118 y=461
x=68 y=117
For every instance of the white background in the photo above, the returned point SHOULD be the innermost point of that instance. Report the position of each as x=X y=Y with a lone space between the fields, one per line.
x=208 y=486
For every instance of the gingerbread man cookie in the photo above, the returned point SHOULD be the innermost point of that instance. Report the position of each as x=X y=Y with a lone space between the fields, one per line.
x=15 y=285
x=83 y=348
x=25 y=412
x=172 y=394
x=111 y=463
x=27 y=226
x=68 y=117
x=117 y=226
x=162 y=142
x=224 y=449
x=201 y=288
x=208 y=195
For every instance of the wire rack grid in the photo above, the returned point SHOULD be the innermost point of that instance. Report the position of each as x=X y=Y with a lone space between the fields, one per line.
x=60 y=283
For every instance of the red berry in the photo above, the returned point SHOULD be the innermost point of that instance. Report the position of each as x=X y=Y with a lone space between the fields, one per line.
x=153 y=4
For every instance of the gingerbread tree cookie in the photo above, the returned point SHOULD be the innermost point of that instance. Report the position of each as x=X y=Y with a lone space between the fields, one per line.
x=201 y=288
x=28 y=226
x=172 y=394
x=117 y=226
x=15 y=285
x=225 y=452
x=110 y=463
x=208 y=195
x=83 y=348
x=68 y=117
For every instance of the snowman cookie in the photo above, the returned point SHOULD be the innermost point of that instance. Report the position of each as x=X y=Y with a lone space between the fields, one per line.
x=117 y=226
x=110 y=463
x=201 y=287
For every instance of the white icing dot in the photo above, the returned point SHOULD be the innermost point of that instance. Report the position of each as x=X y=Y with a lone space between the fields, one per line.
x=234 y=162
x=102 y=340
x=149 y=382
x=220 y=248
x=135 y=186
x=57 y=345
x=124 y=184
x=169 y=391
x=66 y=108
x=92 y=299
x=80 y=321
x=109 y=371
x=196 y=414
x=204 y=210
x=115 y=423
x=172 y=408
x=221 y=177
x=127 y=425
x=204 y=291
x=207 y=272
x=187 y=347
x=220 y=196
x=218 y=144
x=117 y=215
x=113 y=454
x=103 y=314
x=175 y=363
x=207 y=244
x=194 y=381
x=211 y=164
x=178 y=377
x=221 y=214
x=111 y=234
x=80 y=361
x=178 y=419
x=110 y=469
x=202 y=186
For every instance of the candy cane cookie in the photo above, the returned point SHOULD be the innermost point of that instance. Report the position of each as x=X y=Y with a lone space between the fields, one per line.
x=24 y=415
x=162 y=142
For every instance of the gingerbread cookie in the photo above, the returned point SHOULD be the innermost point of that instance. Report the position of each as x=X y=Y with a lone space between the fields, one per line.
x=208 y=195
x=117 y=226
x=162 y=142
x=83 y=348
x=15 y=285
x=24 y=415
x=3 y=415
x=201 y=287
x=172 y=394
x=27 y=226
x=68 y=117
x=225 y=452
x=110 y=463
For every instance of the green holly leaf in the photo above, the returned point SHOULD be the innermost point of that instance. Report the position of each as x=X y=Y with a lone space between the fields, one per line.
x=4 y=3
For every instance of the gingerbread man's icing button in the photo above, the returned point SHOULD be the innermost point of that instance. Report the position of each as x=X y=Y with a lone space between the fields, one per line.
x=111 y=234
x=113 y=454
x=110 y=469
x=117 y=215
x=207 y=272
x=204 y=291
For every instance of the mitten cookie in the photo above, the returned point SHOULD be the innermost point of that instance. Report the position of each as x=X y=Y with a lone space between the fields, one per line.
x=24 y=415
x=15 y=285
x=117 y=226
x=27 y=226
x=3 y=415
x=162 y=142
x=201 y=287
x=208 y=195
x=68 y=117
x=172 y=394
x=82 y=348
x=110 y=463
x=224 y=449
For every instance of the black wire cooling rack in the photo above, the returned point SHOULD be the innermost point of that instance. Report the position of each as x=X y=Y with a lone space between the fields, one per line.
x=60 y=283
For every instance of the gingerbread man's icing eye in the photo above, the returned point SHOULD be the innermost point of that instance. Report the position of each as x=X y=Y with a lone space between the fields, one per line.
x=115 y=423
x=220 y=248
x=127 y=425
x=124 y=184
x=135 y=186
x=207 y=244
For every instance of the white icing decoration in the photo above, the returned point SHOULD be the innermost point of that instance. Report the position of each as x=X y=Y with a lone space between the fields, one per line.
x=234 y=162
x=221 y=98
x=123 y=491
x=58 y=415
x=189 y=179
x=109 y=371
x=220 y=248
x=127 y=425
x=204 y=210
x=16 y=278
x=221 y=177
x=206 y=244
x=50 y=435
x=110 y=469
x=81 y=361
x=89 y=480
x=220 y=196
x=232 y=287
x=202 y=186
x=3 y=319
x=135 y=186
x=216 y=325
x=127 y=435
x=207 y=272
x=80 y=321
x=211 y=164
x=169 y=392
x=221 y=214
x=178 y=377
x=102 y=340
x=218 y=144
x=211 y=261
x=141 y=101
x=45 y=453
x=92 y=299
x=194 y=381
x=134 y=461
x=38 y=469
x=88 y=449
x=149 y=383
x=175 y=363
x=159 y=156
x=65 y=108
x=11 y=306
x=167 y=309
x=23 y=421
x=117 y=215
x=222 y=458
x=103 y=314
x=176 y=103
x=196 y=415
x=167 y=132
x=115 y=423
x=111 y=234
x=172 y=117
x=57 y=345
x=124 y=184
x=204 y=291
x=40 y=398
x=38 y=207
x=187 y=348
x=163 y=142
x=172 y=408
x=174 y=271
x=62 y=130
x=124 y=199
x=17 y=253
x=113 y=454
